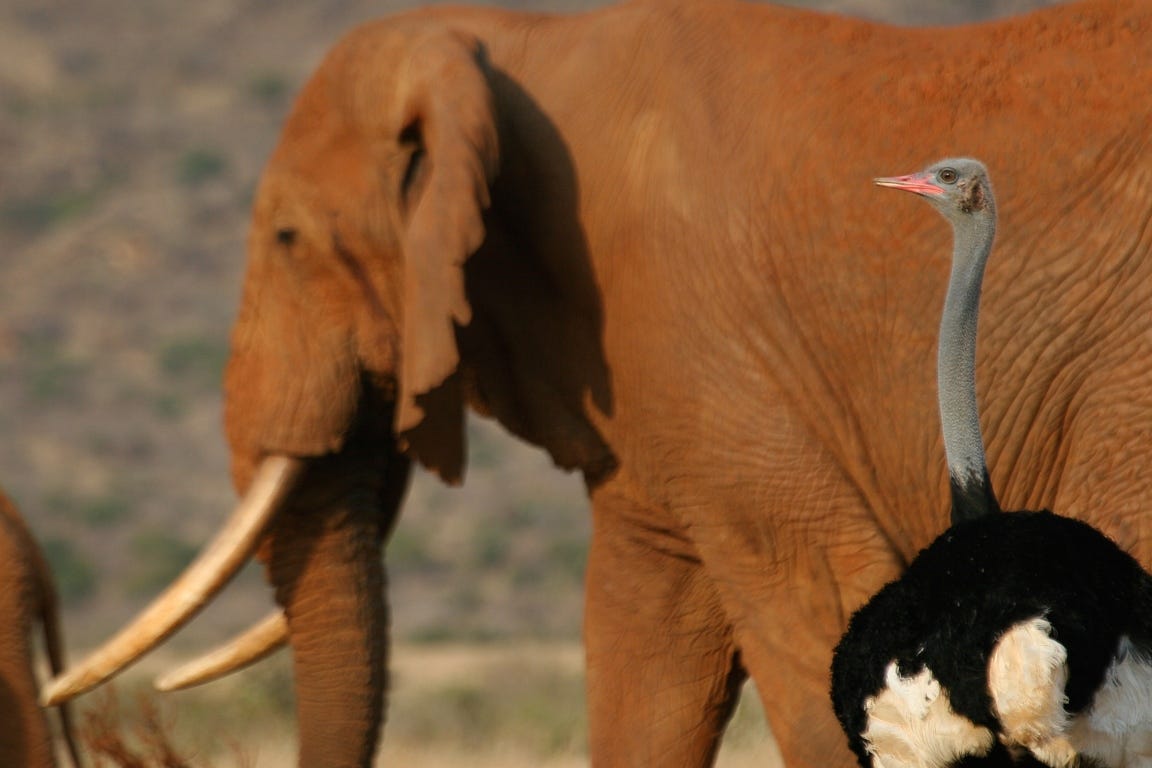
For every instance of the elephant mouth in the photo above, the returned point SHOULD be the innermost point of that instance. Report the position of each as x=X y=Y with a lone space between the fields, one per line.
x=204 y=578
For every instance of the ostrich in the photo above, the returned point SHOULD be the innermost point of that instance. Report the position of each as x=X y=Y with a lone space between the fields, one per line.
x=1013 y=637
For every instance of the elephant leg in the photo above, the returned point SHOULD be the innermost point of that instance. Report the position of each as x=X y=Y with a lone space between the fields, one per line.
x=793 y=689
x=663 y=670
x=789 y=609
x=324 y=558
x=25 y=738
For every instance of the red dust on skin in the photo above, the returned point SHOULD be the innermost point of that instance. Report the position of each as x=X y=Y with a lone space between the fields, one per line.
x=920 y=183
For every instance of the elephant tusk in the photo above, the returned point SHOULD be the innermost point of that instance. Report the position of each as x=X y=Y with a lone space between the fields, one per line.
x=259 y=641
x=200 y=582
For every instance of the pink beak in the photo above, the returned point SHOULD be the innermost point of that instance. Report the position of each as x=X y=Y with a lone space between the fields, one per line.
x=920 y=183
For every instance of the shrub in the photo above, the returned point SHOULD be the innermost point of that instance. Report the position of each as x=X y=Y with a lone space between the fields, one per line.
x=169 y=407
x=114 y=738
x=197 y=361
x=492 y=546
x=75 y=576
x=568 y=558
x=407 y=551
x=269 y=89
x=54 y=380
x=36 y=215
x=512 y=701
x=200 y=165
x=103 y=511
x=157 y=558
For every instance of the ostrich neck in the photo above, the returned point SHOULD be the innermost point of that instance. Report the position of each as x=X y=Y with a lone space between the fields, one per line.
x=972 y=493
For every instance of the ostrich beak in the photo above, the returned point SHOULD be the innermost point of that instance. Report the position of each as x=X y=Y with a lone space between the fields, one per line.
x=920 y=183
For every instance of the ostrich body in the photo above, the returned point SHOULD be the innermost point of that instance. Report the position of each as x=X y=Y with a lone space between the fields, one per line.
x=1012 y=638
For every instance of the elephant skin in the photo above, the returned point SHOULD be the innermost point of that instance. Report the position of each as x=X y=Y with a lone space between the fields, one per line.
x=645 y=239
x=27 y=602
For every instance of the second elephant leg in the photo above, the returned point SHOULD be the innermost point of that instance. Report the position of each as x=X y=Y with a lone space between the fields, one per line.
x=663 y=671
x=25 y=738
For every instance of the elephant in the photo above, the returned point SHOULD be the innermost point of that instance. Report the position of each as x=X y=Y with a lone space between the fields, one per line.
x=27 y=598
x=645 y=239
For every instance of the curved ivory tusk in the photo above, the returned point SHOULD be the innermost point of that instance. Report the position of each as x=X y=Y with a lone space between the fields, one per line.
x=199 y=583
x=259 y=641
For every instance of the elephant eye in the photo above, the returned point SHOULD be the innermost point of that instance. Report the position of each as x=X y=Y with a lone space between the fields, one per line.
x=412 y=173
x=948 y=175
x=286 y=236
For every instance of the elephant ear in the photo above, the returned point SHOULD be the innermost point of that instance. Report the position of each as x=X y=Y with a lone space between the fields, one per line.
x=449 y=105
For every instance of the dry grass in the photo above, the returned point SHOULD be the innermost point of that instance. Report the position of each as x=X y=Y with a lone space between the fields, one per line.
x=490 y=706
x=110 y=740
x=393 y=753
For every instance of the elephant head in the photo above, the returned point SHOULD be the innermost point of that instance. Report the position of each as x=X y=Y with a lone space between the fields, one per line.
x=344 y=359
x=365 y=215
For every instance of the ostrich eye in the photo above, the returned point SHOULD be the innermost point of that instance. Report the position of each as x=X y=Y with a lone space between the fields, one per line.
x=947 y=175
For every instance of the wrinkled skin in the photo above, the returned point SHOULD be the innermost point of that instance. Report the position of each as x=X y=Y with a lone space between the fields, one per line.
x=27 y=605
x=646 y=240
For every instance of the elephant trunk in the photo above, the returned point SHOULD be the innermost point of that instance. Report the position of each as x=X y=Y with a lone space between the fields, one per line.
x=323 y=556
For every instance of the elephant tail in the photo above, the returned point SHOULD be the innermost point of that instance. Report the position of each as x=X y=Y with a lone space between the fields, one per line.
x=54 y=647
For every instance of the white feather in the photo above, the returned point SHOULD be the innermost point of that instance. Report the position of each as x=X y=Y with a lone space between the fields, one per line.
x=1027 y=674
x=1117 y=729
x=911 y=724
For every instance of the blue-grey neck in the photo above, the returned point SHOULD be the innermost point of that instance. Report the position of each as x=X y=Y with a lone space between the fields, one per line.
x=972 y=494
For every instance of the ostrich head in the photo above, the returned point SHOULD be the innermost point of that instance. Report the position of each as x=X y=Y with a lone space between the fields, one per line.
x=958 y=188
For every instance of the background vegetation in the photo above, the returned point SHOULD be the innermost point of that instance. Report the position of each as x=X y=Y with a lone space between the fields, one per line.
x=131 y=138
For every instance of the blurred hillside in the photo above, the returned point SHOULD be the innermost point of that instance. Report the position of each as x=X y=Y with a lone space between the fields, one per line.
x=131 y=138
